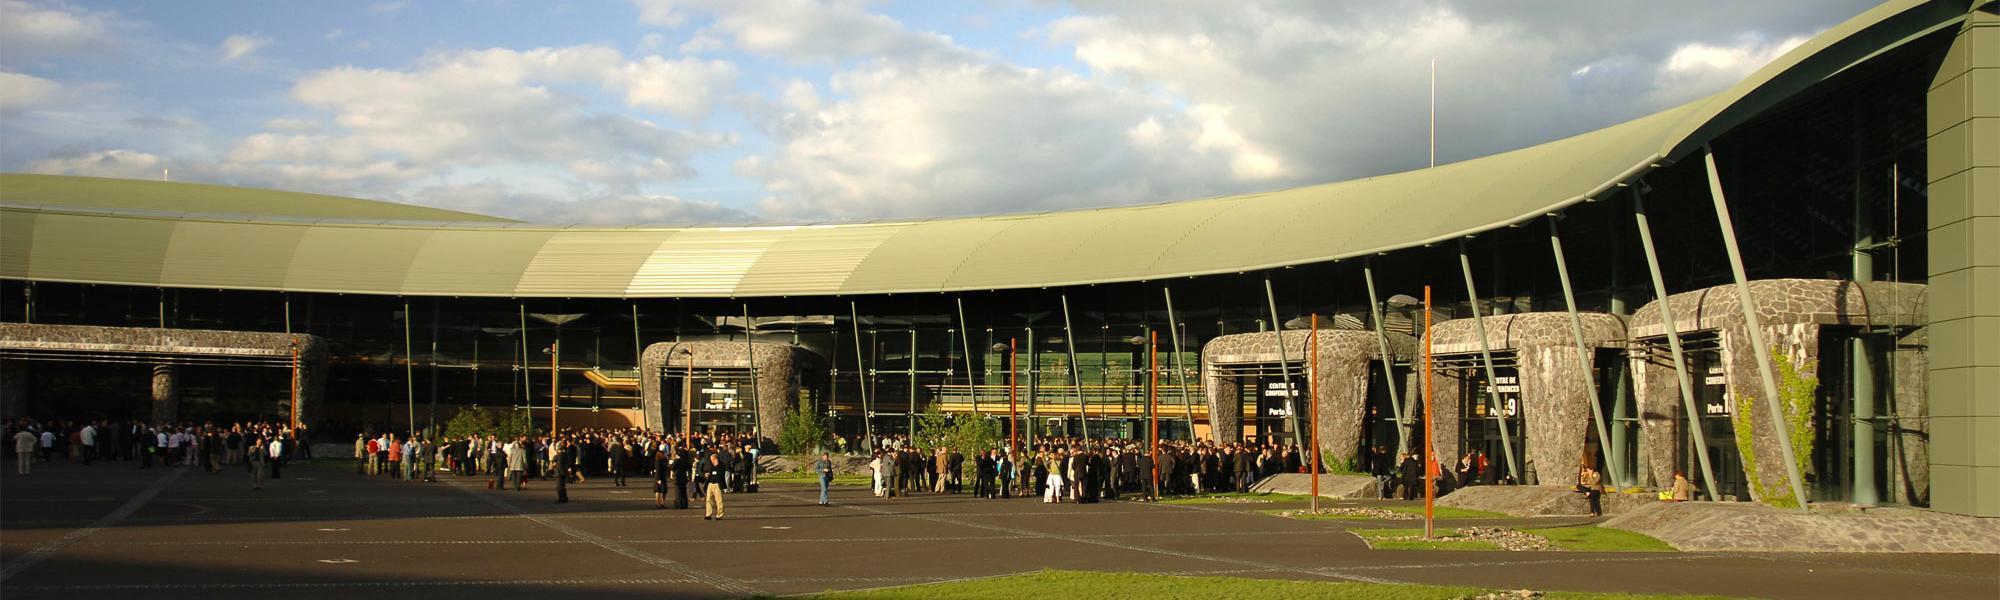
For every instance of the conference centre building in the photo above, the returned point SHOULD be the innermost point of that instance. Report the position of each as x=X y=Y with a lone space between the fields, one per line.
x=1788 y=289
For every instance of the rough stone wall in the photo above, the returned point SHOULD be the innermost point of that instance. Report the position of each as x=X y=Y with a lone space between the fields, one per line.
x=1661 y=417
x=1910 y=477
x=168 y=343
x=1555 y=394
x=779 y=367
x=1341 y=385
x=1444 y=417
x=1225 y=422
x=1790 y=313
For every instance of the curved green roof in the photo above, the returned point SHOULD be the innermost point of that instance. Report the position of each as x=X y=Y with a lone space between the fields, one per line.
x=52 y=242
x=196 y=199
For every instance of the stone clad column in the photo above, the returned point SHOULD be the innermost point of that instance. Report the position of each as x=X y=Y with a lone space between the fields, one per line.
x=166 y=393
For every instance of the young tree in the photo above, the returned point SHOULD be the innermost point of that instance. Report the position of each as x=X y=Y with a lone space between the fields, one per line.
x=469 y=421
x=805 y=431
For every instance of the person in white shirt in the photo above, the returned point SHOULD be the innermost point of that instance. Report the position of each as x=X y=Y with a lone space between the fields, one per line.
x=277 y=453
x=24 y=451
x=48 y=444
x=89 y=436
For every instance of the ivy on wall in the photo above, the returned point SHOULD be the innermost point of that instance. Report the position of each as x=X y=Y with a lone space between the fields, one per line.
x=1798 y=385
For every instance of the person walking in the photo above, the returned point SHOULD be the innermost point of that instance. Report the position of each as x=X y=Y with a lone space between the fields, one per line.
x=824 y=467
x=712 y=503
x=560 y=457
x=24 y=451
x=517 y=463
x=663 y=476
x=256 y=455
x=277 y=451
x=1592 y=485
x=683 y=471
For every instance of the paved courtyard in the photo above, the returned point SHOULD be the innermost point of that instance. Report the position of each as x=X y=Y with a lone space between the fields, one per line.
x=110 y=530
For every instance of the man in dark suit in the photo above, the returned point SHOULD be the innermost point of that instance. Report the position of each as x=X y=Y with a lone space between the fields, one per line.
x=683 y=467
x=619 y=454
x=1243 y=462
x=564 y=459
x=982 y=475
x=1413 y=476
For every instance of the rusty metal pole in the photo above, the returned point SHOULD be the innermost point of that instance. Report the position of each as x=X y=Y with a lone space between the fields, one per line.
x=1430 y=457
x=555 y=382
x=1013 y=400
x=1153 y=404
x=295 y=384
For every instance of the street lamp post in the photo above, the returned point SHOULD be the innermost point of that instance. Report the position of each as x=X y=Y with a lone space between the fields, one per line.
x=687 y=395
x=1013 y=397
x=555 y=380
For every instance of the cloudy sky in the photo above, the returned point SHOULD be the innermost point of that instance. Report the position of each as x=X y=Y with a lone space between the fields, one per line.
x=730 y=111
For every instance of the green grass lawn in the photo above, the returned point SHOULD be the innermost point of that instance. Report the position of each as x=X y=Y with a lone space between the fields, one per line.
x=813 y=478
x=1234 y=497
x=1441 y=513
x=1447 y=512
x=1082 y=585
x=1445 y=540
x=1577 y=539
x=1601 y=539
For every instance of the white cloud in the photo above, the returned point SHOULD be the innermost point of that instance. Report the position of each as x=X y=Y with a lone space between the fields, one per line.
x=30 y=31
x=494 y=198
x=126 y=164
x=798 y=30
x=19 y=92
x=242 y=46
x=333 y=34
x=1699 y=66
x=388 y=8
x=527 y=113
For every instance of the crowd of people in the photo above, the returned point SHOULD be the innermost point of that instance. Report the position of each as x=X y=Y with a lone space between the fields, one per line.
x=1067 y=469
x=703 y=467
x=258 y=445
x=681 y=468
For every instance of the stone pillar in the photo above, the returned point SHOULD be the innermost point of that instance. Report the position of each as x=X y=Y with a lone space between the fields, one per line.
x=1661 y=417
x=1225 y=412
x=13 y=389
x=1444 y=416
x=1556 y=408
x=1963 y=122
x=166 y=393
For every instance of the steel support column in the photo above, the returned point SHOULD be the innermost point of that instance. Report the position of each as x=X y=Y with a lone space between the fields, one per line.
x=1075 y=374
x=1180 y=373
x=1861 y=365
x=861 y=378
x=1674 y=345
x=750 y=363
x=1284 y=364
x=1584 y=356
x=1754 y=330
x=1486 y=360
x=409 y=369
x=1388 y=363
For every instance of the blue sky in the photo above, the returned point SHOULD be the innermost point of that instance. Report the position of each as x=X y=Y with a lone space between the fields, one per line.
x=712 y=111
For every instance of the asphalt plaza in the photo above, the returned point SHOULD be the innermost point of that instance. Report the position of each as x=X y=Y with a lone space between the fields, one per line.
x=323 y=531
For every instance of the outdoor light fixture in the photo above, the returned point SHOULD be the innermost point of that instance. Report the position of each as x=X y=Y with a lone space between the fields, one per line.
x=1404 y=301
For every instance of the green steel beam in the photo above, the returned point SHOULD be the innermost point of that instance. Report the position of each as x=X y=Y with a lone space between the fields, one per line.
x=1685 y=382
x=1584 y=356
x=1388 y=363
x=1492 y=378
x=1755 y=331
